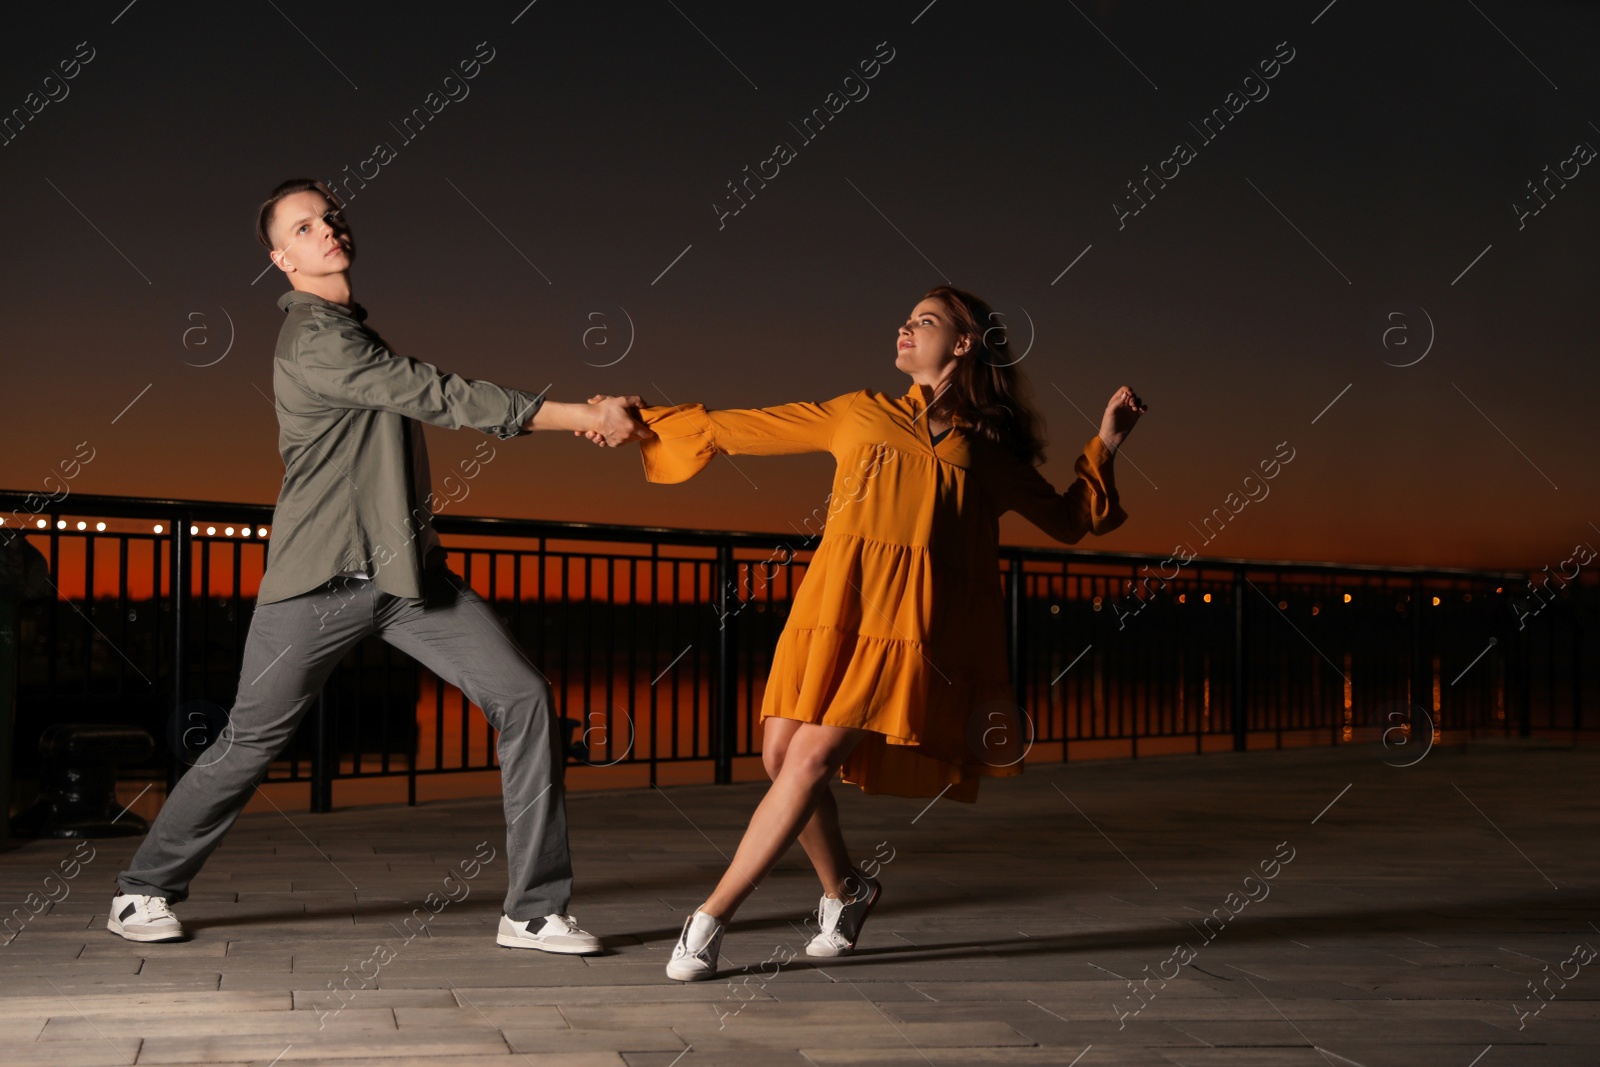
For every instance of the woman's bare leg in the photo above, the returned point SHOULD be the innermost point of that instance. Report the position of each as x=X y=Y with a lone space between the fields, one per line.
x=821 y=837
x=812 y=757
x=823 y=841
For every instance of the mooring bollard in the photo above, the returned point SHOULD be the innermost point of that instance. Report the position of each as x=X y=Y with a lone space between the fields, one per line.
x=78 y=782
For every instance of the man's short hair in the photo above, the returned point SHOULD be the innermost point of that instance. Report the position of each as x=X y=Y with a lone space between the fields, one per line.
x=288 y=188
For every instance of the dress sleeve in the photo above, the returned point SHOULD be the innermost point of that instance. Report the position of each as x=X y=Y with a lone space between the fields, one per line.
x=347 y=367
x=688 y=436
x=1088 y=506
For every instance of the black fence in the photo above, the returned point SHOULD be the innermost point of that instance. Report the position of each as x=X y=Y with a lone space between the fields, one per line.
x=656 y=643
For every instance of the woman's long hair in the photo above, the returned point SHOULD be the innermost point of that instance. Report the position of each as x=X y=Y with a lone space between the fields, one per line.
x=986 y=391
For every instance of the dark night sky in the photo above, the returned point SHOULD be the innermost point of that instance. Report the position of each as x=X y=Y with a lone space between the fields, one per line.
x=989 y=151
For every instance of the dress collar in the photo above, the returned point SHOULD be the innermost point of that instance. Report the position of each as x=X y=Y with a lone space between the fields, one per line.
x=915 y=394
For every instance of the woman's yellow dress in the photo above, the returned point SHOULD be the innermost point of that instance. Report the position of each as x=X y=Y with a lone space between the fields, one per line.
x=898 y=626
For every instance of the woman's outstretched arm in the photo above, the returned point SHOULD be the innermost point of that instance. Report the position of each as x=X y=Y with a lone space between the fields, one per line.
x=687 y=436
x=1090 y=504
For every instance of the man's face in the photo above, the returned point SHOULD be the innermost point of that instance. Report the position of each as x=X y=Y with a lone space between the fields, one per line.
x=310 y=236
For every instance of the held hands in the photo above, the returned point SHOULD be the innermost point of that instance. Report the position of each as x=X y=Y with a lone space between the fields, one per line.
x=616 y=421
x=1122 y=412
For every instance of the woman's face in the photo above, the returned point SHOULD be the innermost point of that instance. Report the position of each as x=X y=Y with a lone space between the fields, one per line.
x=928 y=343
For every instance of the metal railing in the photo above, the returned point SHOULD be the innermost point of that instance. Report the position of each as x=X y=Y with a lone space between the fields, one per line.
x=656 y=643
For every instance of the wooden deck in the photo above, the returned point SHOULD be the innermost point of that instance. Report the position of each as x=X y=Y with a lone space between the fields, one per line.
x=1403 y=916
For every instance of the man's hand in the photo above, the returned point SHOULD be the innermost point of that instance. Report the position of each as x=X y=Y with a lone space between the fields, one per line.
x=604 y=420
x=617 y=421
x=1122 y=411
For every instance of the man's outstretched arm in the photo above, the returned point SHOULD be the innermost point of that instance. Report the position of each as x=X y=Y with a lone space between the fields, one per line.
x=345 y=366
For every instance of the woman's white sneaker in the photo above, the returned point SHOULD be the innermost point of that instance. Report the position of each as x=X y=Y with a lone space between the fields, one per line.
x=142 y=918
x=555 y=933
x=695 y=955
x=841 y=922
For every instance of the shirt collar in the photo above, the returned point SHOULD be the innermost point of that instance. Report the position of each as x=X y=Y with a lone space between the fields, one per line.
x=299 y=296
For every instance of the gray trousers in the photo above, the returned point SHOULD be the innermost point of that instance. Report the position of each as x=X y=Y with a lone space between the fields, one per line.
x=293 y=646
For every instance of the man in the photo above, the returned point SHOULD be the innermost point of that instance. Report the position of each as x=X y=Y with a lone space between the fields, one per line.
x=354 y=553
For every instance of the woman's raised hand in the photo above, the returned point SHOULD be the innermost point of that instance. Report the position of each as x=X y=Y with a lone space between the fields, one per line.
x=1122 y=411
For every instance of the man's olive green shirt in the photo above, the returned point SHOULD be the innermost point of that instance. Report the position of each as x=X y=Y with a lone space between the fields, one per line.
x=356 y=487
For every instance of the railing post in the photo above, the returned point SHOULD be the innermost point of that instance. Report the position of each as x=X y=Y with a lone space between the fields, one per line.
x=1577 y=665
x=1525 y=686
x=1016 y=593
x=182 y=548
x=10 y=668
x=725 y=739
x=1420 y=689
x=321 y=764
x=1240 y=724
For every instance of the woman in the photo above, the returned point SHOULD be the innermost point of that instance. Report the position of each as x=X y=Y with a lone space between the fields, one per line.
x=892 y=665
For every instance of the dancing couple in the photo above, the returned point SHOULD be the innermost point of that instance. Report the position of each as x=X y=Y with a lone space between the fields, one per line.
x=894 y=645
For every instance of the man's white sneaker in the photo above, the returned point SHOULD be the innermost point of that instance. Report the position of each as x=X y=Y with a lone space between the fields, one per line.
x=555 y=933
x=841 y=922
x=142 y=918
x=695 y=955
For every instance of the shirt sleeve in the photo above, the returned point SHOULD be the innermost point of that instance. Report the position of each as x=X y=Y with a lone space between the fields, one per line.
x=688 y=436
x=1089 y=505
x=348 y=366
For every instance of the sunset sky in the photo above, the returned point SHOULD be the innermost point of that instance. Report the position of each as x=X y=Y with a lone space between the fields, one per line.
x=570 y=203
